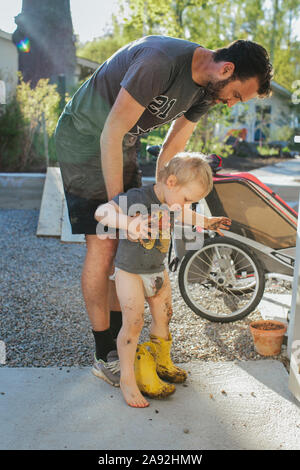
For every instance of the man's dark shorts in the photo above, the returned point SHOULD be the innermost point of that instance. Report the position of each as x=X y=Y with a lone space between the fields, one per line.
x=80 y=163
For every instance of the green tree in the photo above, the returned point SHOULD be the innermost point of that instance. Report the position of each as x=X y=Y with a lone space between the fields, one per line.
x=212 y=24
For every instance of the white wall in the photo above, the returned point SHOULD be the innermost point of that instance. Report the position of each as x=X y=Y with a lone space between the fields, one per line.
x=8 y=64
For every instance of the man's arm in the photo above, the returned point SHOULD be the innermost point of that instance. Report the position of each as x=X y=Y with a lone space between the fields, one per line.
x=175 y=141
x=124 y=114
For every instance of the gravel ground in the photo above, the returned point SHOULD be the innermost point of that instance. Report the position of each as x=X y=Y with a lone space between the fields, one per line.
x=43 y=320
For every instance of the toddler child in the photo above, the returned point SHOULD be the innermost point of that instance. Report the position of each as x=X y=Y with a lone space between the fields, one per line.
x=144 y=217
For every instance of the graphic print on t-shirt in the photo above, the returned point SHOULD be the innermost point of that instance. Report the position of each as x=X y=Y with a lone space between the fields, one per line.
x=138 y=130
x=161 y=106
x=161 y=221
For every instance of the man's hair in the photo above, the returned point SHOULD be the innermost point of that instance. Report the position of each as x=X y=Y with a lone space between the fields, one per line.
x=188 y=167
x=250 y=60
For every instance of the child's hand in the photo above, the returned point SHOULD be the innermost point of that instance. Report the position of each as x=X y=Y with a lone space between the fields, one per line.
x=140 y=228
x=217 y=223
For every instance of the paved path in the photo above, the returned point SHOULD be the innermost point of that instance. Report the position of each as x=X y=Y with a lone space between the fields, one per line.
x=284 y=179
x=225 y=406
x=244 y=405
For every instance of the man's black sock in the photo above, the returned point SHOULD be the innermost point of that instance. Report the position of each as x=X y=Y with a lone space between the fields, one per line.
x=115 y=323
x=104 y=343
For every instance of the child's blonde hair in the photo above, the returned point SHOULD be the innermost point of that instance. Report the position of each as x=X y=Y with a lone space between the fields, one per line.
x=187 y=167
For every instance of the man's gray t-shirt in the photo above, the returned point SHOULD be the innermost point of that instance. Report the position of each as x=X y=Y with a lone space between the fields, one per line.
x=156 y=71
x=132 y=256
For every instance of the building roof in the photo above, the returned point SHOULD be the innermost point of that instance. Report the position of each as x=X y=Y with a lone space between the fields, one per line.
x=91 y=64
x=280 y=89
x=5 y=35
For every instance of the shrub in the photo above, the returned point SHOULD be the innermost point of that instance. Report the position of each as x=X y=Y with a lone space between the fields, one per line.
x=12 y=130
x=266 y=151
x=21 y=126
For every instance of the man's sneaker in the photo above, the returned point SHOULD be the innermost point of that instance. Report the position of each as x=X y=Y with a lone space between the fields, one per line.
x=109 y=370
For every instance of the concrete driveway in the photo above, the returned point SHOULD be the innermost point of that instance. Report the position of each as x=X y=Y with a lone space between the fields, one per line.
x=242 y=405
x=225 y=405
x=284 y=179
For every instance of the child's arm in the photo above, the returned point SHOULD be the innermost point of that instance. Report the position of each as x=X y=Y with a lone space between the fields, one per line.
x=190 y=217
x=111 y=215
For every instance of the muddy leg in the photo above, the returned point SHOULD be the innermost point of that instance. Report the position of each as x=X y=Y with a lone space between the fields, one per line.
x=131 y=296
x=161 y=309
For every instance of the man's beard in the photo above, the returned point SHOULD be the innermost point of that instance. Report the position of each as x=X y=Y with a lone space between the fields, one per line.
x=212 y=89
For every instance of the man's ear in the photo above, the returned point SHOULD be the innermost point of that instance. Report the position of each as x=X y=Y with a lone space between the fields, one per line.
x=226 y=70
x=171 y=181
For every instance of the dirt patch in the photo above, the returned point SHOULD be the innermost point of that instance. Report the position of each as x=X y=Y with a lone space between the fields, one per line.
x=268 y=326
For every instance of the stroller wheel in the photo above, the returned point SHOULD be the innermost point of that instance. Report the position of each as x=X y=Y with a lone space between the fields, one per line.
x=223 y=281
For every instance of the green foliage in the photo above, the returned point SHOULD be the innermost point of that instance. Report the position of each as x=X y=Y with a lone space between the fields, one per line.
x=203 y=139
x=285 y=133
x=266 y=151
x=100 y=49
x=12 y=126
x=35 y=101
x=21 y=124
x=156 y=137
x=213 y=24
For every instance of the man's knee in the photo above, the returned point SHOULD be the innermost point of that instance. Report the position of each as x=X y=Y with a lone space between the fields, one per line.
x=103 y=251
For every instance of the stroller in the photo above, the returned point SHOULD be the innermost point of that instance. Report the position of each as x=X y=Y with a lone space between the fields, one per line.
x=224 y=279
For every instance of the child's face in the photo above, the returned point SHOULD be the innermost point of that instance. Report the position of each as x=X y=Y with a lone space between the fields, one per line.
x=179 y=195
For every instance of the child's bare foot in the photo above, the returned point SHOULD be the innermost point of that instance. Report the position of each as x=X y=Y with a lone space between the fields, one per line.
x=132 y=395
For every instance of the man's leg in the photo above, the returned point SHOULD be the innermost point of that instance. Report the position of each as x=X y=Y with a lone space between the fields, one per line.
x=99 y=293
x=115 y=310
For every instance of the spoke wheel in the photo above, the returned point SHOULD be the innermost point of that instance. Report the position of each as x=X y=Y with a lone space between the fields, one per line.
x=223 y=282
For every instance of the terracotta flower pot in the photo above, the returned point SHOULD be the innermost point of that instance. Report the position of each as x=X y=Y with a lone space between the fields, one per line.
x=268 y=336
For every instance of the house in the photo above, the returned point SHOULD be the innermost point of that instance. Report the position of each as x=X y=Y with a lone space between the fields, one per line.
x=85 y=68
x=261 y=119
x=8 y=67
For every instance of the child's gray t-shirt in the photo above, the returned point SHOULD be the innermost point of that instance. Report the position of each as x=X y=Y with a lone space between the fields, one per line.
x=133 y=256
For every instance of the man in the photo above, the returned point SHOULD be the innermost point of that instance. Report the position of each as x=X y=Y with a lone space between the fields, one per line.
x=149 y=82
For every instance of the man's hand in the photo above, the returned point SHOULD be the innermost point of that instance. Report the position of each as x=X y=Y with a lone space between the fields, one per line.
x=218 y=223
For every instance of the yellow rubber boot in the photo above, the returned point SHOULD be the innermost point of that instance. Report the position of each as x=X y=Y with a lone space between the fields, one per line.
x=146 y=376
x=164 y=365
